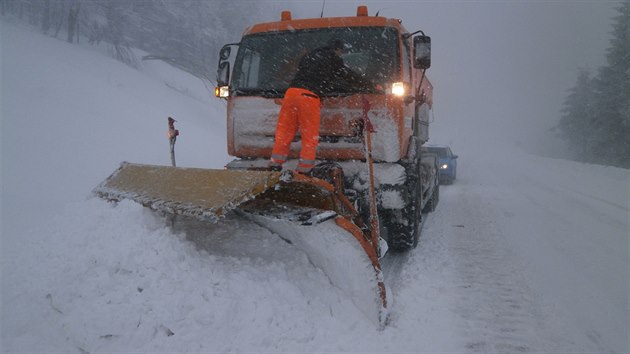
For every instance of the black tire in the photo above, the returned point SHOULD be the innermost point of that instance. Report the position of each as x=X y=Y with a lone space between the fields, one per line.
x=402 y=225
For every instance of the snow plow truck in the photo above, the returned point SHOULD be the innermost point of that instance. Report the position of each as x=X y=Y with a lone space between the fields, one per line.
x=372 y=181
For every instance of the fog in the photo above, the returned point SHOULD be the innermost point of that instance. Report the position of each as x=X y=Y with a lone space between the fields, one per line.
x=501 y=69
x=516 y=258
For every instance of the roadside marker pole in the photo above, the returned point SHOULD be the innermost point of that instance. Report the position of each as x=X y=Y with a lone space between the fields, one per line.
x=172 y=137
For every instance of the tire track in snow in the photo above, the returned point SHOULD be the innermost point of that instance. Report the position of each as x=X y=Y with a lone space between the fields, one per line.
x=497 y=307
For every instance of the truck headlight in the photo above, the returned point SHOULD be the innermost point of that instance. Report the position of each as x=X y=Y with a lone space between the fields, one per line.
x=398 y=89
x=443 y=166
x=222 y=91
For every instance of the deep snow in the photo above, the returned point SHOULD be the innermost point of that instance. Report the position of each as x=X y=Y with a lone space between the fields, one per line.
x=523 y=254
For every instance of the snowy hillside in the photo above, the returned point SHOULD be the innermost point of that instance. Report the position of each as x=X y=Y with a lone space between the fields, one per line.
x=523 y=254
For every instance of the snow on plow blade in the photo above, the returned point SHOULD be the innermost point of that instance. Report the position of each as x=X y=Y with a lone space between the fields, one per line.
x=333 y=249
x=304 y=211
x=310 y=214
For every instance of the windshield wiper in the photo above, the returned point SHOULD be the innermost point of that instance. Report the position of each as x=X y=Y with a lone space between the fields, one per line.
x=267 y=93
x=272 y=93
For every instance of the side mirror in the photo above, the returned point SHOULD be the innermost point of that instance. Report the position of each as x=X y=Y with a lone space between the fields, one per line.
x=454 y=156
x=223 y=74
x=422 y=52
x=225 y=52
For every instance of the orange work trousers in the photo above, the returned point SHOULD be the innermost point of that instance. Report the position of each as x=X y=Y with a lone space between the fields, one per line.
x=300 y=109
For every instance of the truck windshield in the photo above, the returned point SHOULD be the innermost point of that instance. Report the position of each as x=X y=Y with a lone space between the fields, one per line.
x=266 y=63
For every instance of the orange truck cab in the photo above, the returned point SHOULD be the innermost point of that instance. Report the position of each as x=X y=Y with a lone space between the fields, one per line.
x=254 y=80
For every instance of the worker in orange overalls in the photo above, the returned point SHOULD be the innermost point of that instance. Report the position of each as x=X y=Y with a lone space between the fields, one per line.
x=319 y=73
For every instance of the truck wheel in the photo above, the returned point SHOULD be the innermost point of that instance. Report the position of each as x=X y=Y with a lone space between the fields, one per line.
x=401 y=235
x=402 y=225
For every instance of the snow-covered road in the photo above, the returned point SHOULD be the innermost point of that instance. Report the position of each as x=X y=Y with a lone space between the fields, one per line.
x=495 y=307
x=539 y=252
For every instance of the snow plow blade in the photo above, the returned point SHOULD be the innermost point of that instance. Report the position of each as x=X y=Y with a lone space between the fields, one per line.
x=204 y=194
x=306 y=212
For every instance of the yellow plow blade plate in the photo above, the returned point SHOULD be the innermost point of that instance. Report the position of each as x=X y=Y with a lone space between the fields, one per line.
x=202 y=193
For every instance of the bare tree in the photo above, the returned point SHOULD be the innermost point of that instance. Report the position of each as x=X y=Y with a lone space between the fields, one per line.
x=73 y=20
x=184 y=33
x=46 y=16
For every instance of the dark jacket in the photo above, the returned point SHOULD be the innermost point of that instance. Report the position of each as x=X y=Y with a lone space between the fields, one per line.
x=323 y=72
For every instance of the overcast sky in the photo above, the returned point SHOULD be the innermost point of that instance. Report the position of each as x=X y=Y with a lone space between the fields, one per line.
x=500 y=68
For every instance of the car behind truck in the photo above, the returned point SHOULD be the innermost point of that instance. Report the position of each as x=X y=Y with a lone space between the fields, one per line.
x=447 y=162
